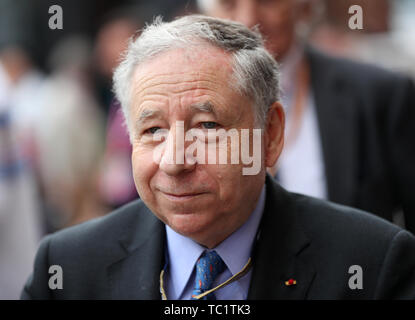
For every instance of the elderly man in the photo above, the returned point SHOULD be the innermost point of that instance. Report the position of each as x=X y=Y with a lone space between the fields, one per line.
x=350 y=126
x=210 y=226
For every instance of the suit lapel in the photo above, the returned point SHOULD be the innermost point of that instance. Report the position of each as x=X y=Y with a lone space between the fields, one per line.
x=280 y=253
x=336 y=113
x=135 y=272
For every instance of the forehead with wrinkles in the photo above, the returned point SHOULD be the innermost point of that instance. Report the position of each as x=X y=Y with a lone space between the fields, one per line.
x=201 y=68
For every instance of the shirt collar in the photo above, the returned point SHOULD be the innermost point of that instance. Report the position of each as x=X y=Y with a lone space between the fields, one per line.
x=235 y=250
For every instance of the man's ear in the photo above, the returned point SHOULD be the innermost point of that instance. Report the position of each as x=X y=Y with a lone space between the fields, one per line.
x=274 y=134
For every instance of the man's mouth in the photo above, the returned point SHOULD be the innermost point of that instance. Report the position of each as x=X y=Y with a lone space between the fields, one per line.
x=182 y=196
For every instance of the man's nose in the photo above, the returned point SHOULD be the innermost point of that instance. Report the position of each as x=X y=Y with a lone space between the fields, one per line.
x=173 y=160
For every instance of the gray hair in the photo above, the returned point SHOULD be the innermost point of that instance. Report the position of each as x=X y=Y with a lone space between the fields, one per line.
x=255 y=72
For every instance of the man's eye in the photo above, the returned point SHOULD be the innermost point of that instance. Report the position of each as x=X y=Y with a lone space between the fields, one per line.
x=209 y=125
x=152 y=130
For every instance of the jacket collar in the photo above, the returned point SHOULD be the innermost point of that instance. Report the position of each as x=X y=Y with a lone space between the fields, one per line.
x=336 y=107
x=281 y=250
x=134 y=274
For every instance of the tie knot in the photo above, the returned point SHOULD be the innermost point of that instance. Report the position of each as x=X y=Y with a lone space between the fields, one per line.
x=208 y=267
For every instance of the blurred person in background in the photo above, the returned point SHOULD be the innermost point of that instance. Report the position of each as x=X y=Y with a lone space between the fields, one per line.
x=69 y=137
x=386 y=38
x=350 y=126
x=116 y=184
x=21 y=223
x=110 y=42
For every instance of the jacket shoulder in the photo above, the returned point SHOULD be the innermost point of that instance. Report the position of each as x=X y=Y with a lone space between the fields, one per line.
x=326 y=221
x=354 y=72
x=83 y=252
x=342 y=238
x=97 y=239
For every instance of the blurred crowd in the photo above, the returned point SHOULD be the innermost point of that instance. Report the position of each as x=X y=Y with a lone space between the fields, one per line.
x=64 y=149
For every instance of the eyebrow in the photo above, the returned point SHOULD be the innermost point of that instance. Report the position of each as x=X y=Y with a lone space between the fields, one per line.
x=206 y=107
x=148 y=114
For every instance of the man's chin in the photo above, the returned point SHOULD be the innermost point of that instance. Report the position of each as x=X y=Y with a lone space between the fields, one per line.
x=191 y=225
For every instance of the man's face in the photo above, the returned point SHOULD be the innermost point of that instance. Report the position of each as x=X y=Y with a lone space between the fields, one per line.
x=205 y=202
x=276 y=19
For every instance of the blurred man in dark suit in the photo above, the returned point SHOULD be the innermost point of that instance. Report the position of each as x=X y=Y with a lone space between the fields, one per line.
x=211 y=224
x=350 y=127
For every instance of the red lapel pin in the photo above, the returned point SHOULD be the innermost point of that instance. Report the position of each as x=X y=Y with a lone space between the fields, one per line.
x=290 y=282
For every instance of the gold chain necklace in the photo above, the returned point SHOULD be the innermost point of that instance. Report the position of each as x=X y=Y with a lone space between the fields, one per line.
x=235 y=277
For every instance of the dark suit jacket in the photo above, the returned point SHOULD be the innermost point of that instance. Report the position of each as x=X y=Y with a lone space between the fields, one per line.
x=120 y=256
x=366 y=117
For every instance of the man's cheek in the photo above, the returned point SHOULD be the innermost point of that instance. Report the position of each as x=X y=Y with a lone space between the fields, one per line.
x=143 y=169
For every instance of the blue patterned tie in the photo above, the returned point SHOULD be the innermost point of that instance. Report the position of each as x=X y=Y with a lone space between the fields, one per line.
x=208 y=267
